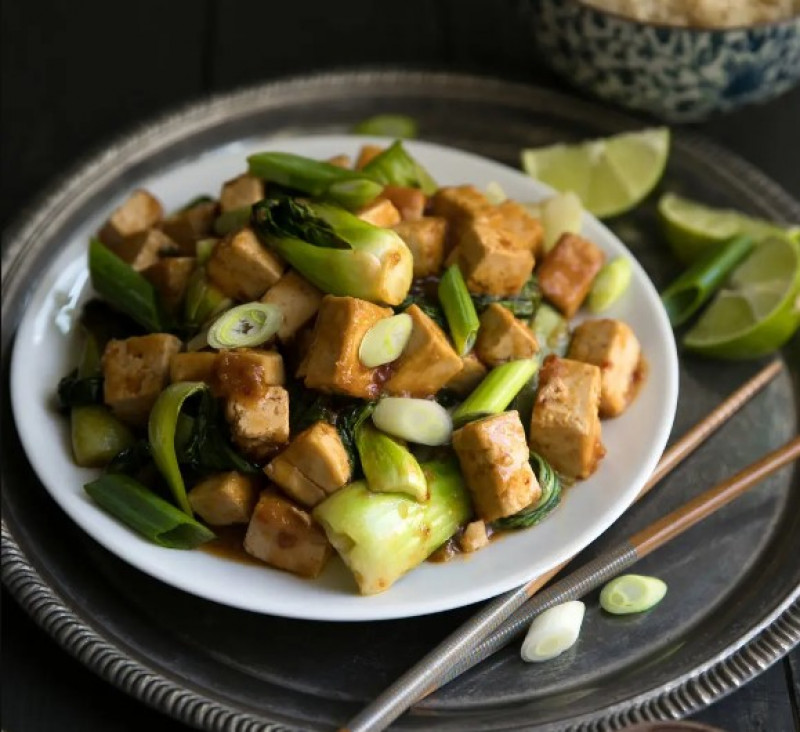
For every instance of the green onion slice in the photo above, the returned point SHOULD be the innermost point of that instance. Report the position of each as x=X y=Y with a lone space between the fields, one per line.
x=387 y=125
x=245 y=326
x=632 y=593
x=385 y=341
x=459 y=309
x=553 y=632
x=496 y=391
x=416 y=420
x=142 y=510
x=610 y=284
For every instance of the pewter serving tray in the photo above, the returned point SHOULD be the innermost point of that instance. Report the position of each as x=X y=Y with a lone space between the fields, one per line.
x=733 y=606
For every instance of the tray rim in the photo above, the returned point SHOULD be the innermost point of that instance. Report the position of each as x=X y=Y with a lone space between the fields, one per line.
x=754 y=652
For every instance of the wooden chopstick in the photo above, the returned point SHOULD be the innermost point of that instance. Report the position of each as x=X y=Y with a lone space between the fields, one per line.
x=447 y=660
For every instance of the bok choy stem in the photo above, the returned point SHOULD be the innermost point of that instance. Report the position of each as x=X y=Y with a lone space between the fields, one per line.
x=458 y=309
x=389 y=466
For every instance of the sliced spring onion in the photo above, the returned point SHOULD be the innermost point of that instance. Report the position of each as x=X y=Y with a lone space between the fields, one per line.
x=553 y=632
x=245 y=326
x=550 y=484
x=388 y=466
x=97 y=436
x=416 y=420
x=230 y=221
x=161 y=428
x=203 y=249
x=495 y=193
x=388 y=125
x=610 y=284
x=684 y=297
x=142 y=510
x=496 y=390
x=203 y=300
x=551 y=330
x=632 y=593
x=458 y=309
x=385 y=341
x=561 y=214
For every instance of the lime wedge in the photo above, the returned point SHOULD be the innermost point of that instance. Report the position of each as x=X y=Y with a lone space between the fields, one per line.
x=610 y=175
x=691 y=228
x=759 y=310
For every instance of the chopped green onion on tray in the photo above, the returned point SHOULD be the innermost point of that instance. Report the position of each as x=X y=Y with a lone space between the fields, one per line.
x=632 y=593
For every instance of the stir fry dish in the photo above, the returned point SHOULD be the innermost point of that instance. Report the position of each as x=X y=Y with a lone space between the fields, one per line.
x=335 y=358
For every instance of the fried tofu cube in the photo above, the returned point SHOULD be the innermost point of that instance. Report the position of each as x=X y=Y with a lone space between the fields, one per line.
x=144 y=249
x=567 y=272
x=139 y=212
x=332 y=362
x=493 y=260
x=194 y=366
x=246 y=371
x=224 y=498
x=259 y=422
x=428 y=361
x=242 y=268
x=458 y=205
x=471 y=374
x=170 y=276
x=313 y=466
x=185 y=228
x=501 y=337
x=410 y=202
x=612 y=346
x=302 y=349
x=244 y=190
x=340 y=161
x=381 y=212
x=474 y=537
x=515 y=219
x=135 y=372
x=493 y=455
x=286 y=537
x=366 y=154
x=565 y=426
x=298 y=300
x=425 y=238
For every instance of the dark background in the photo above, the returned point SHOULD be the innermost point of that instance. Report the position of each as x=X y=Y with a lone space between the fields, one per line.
x=76 y=74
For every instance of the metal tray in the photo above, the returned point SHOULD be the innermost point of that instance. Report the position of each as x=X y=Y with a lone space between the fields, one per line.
x=733 y=606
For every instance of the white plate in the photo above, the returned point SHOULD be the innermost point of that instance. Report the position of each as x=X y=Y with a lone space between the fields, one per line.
x=46 y=349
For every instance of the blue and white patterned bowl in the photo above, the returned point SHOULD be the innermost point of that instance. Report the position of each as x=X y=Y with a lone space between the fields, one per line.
x=679 y=74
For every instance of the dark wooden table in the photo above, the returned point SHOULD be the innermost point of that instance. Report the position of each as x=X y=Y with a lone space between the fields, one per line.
x=74 y=74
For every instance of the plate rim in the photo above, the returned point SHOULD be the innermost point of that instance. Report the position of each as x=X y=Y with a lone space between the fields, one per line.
x=767 y=642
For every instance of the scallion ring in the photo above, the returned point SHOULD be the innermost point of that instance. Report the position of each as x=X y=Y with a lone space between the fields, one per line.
x=245 y=326
x=632 y=593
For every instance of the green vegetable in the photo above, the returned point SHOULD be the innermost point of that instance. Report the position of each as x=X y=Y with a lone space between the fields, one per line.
x=204 y=248
x=553 y=631
x=245 y=326
x=550 y=484
x=387 y=125
x=153 y=517
x=632 y=593
x=196 y=201
x=421 y=421
x=610 y=284
x=125 y=289
x=230 y=221
x=102 y=322
x=349 y=188
x=381 y=536
x=551 y=330
x=423 y=301
x=347 y=420
x=132 y=460
x=394 y=166
x=97 y=436
x=161 y=433
x=523 y=305
x=336 y=251
x=496 y=390
x=385 y=341
x=388 y=466
x=203 y=300
x=459 y=310
x=76 y=391
x=684 y=297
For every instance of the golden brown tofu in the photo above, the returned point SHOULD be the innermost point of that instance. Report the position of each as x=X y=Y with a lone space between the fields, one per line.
x=612 y=346
x=410 y=202
x=247 y=371
x=340 y=161
x=224 y=498
x=298 y=300
x=425 y=238
x=567 y=272
x=469 y=377
x=366 y=155
x=170 y=276
x=135 y=372
x=473 y=537
x=244 y=190
x=185 y=228
x=140 y=211
x=492 y=259
x=286 y=537
x=501 y=337
x=332 y=363
x=381 y=212
x=144 y=249
x=565 y=426
x=194 y=366
x=493 y=455
x=458 y=205
x=242 y=268
x=512 y=217
x=259 y=422
x=428 y=361
x=321 y=460
x=302 y=349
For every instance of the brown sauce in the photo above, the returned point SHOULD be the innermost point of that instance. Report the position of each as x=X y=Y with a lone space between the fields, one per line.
x=229 y=544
